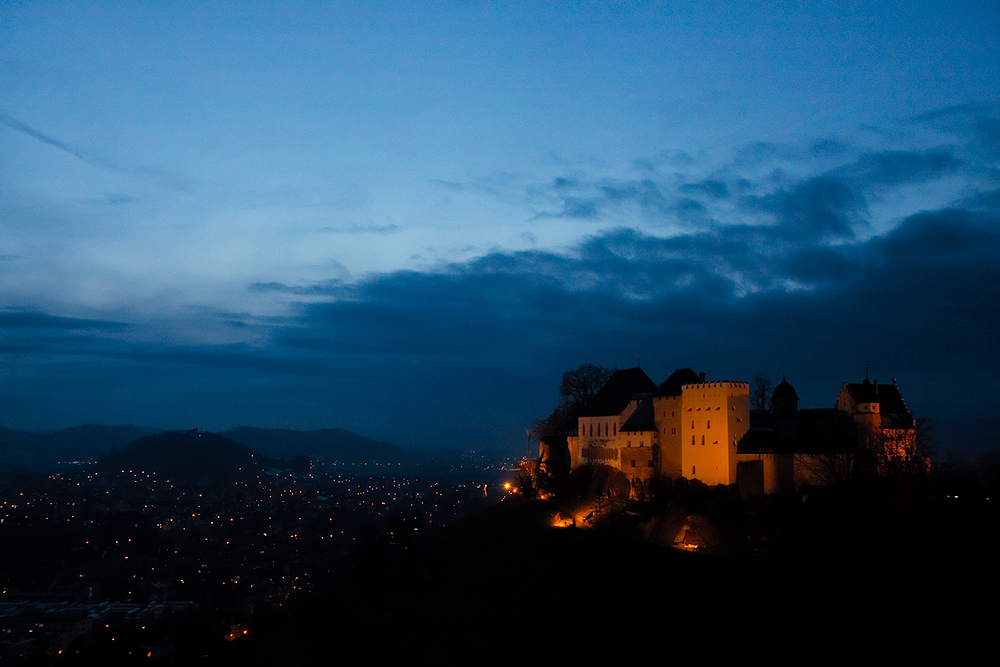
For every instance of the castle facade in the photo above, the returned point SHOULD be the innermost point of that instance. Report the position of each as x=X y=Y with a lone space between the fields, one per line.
x=704 y=430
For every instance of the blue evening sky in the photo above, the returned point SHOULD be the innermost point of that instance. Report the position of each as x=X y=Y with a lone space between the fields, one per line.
x=409 y=218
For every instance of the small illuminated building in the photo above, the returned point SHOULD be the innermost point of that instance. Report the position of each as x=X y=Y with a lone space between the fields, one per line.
x=868 y=431
x=886 y=428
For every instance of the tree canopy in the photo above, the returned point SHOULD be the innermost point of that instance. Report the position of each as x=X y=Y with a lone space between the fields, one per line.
x=581 y=385
x=578 y=389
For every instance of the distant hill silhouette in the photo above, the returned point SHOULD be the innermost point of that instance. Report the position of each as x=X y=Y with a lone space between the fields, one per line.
x=331 y=444
x=91 y=441
x=187 y=456
x=87 y=441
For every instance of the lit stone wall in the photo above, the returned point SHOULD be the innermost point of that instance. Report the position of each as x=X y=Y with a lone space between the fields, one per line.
x=600 y=437
x=668 y=431
x=714 y=416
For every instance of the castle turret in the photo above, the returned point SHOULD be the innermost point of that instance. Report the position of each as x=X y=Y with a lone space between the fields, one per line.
x=785 y=408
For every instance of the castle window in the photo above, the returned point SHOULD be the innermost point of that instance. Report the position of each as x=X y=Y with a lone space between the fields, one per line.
x=692 y=440
x=671 y=413
x=692 y=470
x=702 y=441
x=692 y=423
x=633 y=463
x=673 y=431
x=709 y=424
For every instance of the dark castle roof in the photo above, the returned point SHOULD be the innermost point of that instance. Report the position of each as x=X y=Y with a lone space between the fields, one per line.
x=818 y=430
x=886 y=395
x=784 y=392
x=643 y=419
x=680 y=377
x=616 y=393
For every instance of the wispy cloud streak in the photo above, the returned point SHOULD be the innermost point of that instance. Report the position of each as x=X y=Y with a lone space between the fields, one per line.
x=21 y=126
x=142 y=172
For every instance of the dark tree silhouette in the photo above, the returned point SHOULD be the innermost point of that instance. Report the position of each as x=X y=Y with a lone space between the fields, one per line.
x=578 y=388
x=760 y=393
x=581 y=385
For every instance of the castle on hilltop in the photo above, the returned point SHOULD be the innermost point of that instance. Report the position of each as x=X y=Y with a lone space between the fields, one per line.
x=698 y=429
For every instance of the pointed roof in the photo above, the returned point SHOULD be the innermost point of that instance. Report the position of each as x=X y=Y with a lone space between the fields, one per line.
x=616 y=393
x=886 y=395
x=672 y=385
x=642 y=419
x=784 y=391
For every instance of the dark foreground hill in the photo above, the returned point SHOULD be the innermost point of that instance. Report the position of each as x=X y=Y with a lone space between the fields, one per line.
x=186 y=456
x=504 y=587
x=330 y=444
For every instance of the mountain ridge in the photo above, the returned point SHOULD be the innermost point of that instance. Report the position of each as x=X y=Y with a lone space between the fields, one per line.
x=92 y=441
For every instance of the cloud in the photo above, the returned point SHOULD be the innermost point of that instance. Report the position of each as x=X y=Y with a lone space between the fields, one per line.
x=387 y=348
x=562 y=183
x=37 y=320
x=369 y=228
x=896 y=167
x=713 y=188
x=325 y=288
x=21 y=126
x=142 y=172
x=822 y=206
x=576 y=208
x=728 y=300
x=769 y=264
x=117 y=199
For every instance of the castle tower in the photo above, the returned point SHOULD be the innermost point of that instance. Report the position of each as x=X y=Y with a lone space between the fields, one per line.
x=785 y=408
x=714 y=416
x=668 y=416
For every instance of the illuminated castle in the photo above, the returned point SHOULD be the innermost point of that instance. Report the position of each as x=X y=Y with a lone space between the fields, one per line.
x=685 y=427
x=704 y=430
